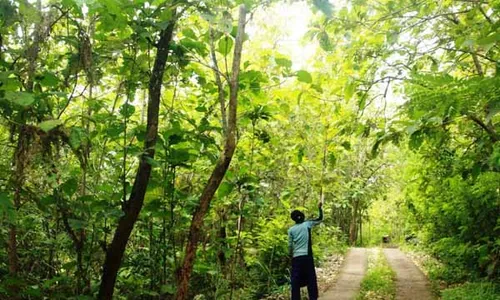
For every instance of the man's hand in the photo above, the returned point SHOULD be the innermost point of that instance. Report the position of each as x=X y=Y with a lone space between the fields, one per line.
x=320 y=204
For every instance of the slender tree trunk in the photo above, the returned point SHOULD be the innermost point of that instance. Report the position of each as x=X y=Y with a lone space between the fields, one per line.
x=133 y=206
x=220 y=168
x=361 y=229
x=354 y=224
x=151 y=256
x=12 y=247
x=221 y=236
x=41 y=32
x=79 y=264
x=20 y=164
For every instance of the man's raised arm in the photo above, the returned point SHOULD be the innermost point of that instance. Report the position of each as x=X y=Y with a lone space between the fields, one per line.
x=320 y=218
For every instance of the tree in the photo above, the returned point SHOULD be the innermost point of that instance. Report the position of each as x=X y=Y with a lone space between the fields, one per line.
x=222 y=163
x=133 y=206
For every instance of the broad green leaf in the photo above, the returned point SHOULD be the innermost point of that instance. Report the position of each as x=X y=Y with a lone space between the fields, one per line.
x=195 y=46
x=24 y=99
x=416 y=140
x=349 y=89
x=8 y=82
x=225 y=45
x=225 y=189
x=188 y=32
x=49 y=79
x=324 y=41
x=49 y=125
x=491 y=39
x=76 y=136
x=178 y=156
x=225 y=24
x=283 y=62
x=70 y=187
x=201 y=109
x=304 y=76
x=127 y=110
x=324 y=6
x=152 y=162
x=115 y=129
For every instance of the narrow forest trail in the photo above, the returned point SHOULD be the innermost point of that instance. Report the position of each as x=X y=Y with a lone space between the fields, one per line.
x=353 y=271
x=411 y=283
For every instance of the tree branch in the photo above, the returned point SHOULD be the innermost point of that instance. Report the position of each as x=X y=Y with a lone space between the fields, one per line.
x=218 y=81
x=469 y=52
x=484 y=14
x=489 y=129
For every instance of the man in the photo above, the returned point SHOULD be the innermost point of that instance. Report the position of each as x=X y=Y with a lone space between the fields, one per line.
x=300 y=247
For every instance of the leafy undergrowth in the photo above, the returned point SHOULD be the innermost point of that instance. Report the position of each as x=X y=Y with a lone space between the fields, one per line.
x=446 y=280
x=430 y=266
x=378 y=282
x=473 y=291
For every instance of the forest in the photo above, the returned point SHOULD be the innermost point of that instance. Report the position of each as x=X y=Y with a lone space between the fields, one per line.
x=155 y=149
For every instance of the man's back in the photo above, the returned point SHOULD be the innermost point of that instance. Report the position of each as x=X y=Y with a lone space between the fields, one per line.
x=300 y=237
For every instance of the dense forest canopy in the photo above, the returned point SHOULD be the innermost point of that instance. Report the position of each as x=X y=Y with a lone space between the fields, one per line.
x=155 y=149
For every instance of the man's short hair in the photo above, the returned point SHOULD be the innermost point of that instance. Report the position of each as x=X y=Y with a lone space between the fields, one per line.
x=297 y=216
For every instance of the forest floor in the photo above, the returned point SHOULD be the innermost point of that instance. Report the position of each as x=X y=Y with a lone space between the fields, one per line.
x=328 y=272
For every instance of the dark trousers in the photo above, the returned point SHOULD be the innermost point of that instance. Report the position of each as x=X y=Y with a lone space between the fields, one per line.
x=303 y=274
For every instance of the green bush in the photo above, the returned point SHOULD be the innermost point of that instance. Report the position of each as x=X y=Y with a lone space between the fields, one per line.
x=473 y=291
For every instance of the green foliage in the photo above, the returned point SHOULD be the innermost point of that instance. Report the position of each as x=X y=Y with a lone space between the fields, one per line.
x=472 y=291
x=304 y=76
x=74 y=90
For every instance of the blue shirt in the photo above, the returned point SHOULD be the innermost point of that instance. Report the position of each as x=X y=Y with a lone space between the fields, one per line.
x=299 y=236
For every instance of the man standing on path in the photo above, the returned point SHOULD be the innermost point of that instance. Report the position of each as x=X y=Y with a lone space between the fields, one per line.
x=300 y=247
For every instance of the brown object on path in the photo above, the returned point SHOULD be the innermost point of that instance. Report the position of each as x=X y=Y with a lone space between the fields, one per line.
x=411 y=283
x=353 y=271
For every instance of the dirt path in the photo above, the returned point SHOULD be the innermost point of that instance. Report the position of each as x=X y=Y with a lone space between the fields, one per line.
x=411 y=283
x=350 y=276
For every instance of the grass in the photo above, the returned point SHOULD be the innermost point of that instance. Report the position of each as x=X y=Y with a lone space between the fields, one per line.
x=451 y=283
x=473 y=291
x=378 y=282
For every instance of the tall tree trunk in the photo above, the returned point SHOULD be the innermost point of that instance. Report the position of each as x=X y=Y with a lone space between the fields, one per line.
x=353 y=229
x=12 y=249
x=133 y=206
x=41 y=32
x=19 y=163
x=220 y=168
x=361 y=229
x=221 y=241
